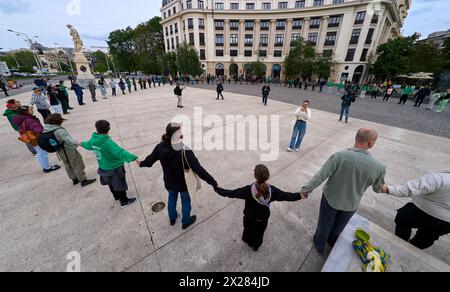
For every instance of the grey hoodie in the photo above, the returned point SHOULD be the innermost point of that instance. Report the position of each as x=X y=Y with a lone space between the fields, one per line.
x=62 y=135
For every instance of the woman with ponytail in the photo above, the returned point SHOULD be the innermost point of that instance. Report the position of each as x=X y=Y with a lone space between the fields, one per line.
x=258 y=202
x=170 y=153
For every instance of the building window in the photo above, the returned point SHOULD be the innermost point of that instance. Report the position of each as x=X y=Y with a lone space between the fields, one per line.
x=318 y=3
x=190 y=23
x=364 y=55
x=266 y=6
x=192 y=39
x=234 y=25
x=264 y=25
x=219 y=53
x=330 y=39
x=219 y=40
x=234 y=6
x=263 y=53
x=294 y=39
x=297 y=24
x=312 y=38
x=219 y=6
x=350 y=55
x=189 y=4
x=338 y=1
x=233 y=53
x=168 y=44
x=202 y=54
x=315 y=22
x=281 y=24
x=250 y=6
x=178 y=42
x=167 y=31
x=249 y=24
x=355 y=36
x=201 y=4
x=370 y=36
x=264 y=40
x=278 y=54
x=219 y=24
x=176 y=27
x=234 y=40
x=334 y=21
x=248 y=53
x=202 y=39
x=300 y=4
x=171 y=30
x=360 y=17
x=282 y=5
x=249 y=40
x=165 y=15
x=375 y=19
x=279 y=40
x=201 y=23
x=173 y=43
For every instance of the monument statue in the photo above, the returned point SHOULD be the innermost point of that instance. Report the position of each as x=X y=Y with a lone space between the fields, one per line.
x=78 y=43
x=81 y=62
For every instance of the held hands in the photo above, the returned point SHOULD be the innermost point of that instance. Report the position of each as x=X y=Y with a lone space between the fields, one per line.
x=305 y=196
x=138 y=162
x=384 y=189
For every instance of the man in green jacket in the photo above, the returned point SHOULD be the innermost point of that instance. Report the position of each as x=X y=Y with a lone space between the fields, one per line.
x=349 y=174
x=111 y=159
x=11 y=111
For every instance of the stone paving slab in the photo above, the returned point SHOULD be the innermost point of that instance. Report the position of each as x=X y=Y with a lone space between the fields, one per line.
x=43 y=217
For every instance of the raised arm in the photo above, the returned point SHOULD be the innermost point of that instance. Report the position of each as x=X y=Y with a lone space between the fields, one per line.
x=281 y=196
x=151 y=159
x=425 y=185
x=122 y=153
x=199 y=170
x=327 y=170
x=241 y=193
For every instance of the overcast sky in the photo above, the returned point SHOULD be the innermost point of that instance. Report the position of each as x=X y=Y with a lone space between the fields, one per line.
x=94 y=19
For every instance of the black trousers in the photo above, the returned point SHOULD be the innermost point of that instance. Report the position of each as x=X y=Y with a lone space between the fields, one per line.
x=44 y=113
x=430 y=229
x=265 y=99
x=5 y=90
x=419 y=101
x=403 y=99
x=119 y=196
x=386 y=97
x=219 y=94
x=254 y=232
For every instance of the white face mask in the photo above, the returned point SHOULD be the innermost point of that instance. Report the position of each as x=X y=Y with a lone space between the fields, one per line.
x=177 y=137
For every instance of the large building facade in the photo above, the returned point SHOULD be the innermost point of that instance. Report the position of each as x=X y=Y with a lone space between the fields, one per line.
x=230 y=34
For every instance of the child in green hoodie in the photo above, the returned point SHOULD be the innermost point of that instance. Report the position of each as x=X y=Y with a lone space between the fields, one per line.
x=111 y=159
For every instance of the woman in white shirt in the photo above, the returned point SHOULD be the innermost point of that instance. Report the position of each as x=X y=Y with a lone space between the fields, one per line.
x=303 y=115
x=429 y=212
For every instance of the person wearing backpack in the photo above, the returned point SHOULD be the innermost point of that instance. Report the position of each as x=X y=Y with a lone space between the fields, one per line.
x=30 y=128
x=175 y=159
x=347 y=101
x=11 y=111
x=220 y=91
x=56 y=139
x=178 y=91
x=265 y=94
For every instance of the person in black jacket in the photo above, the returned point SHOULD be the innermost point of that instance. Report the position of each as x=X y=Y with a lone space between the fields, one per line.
x=421 y=95
x=170 y=154
x=220 y=91
x=178 y=91
x=258 y=198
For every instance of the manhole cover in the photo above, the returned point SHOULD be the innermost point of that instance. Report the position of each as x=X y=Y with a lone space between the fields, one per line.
x=158 y=207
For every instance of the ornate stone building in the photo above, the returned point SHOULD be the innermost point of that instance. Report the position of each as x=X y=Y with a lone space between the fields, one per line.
x=230 y=34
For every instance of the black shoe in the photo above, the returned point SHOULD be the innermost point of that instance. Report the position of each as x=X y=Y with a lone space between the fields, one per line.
x=87 y=182
x=255 y=249
x=186 y=226
x=75 y=182
x=70 y=108
x=173 y=222
x=127 y=203
x=51 y=169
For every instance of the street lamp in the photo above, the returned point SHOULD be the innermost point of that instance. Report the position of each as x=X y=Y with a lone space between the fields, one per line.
x=28 y=40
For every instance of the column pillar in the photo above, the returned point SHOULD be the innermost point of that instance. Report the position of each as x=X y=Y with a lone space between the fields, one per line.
x=273 y=31
x=305 y=27
x=241 y=37
x=322 y=34
x=288 y=36
x=256 y=34
x=226 y=37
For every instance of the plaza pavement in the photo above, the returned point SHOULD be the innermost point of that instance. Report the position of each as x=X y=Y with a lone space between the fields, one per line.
x=44 y=217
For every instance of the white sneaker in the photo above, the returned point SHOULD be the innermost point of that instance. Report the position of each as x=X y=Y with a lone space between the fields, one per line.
x=297 y=150
x=290 y=150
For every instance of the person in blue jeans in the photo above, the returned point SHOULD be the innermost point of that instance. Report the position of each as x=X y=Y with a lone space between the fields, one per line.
x=302 y=116
x=347 y=101
x=170 y=154
x=79 y=93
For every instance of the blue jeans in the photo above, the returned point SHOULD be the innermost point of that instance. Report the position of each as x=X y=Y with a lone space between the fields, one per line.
x=298 y=135
x=185 y=206
x=80 y=98
x=331 y=224
x=345 y=111
x=42 y=157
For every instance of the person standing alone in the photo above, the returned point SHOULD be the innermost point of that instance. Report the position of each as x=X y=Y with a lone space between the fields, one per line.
x=179 y=94
x=219 y=90
x=302 y=116
x=265 y=94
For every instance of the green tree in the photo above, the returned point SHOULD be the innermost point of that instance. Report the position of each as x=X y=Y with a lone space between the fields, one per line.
x=170 y=63
x=427 y=57
x=121 y=45
x=446 y=53
x=188 y=61
x=25 y=58
x=10 y=61
x=303 y=61
x=148 y=41
x=100 y=64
